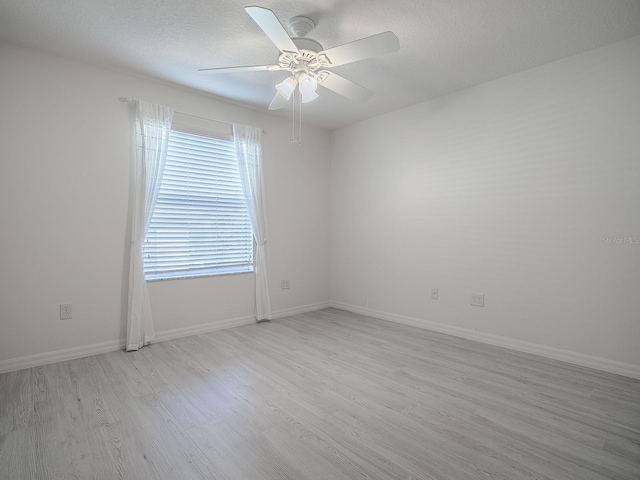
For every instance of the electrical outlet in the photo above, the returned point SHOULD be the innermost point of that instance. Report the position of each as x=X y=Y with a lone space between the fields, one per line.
x=284 y=284
x=434 y=294
x=477 y=299
x=65 y=311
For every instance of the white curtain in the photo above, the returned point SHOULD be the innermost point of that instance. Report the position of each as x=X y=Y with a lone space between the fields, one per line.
x=152 y=128
x=249 y=151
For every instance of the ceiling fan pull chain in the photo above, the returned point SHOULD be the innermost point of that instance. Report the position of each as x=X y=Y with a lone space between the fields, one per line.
x=299 y=117
x=293 y=119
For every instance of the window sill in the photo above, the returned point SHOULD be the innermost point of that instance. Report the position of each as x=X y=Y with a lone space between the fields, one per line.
x=162 y=277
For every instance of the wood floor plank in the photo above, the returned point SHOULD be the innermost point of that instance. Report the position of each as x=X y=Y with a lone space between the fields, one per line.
x=325 y=394
x=334 y=444
x=16 y=401
x=17 y=459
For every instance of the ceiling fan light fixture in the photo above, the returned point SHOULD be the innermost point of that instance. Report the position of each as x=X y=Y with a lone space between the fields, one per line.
x=308 y=86
x=305 y=59
x=286 y=87
x=308 y=96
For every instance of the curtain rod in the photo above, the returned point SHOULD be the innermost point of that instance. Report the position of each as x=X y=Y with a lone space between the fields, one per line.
x=133 y=100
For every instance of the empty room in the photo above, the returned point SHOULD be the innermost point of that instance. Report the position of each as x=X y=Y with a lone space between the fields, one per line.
x=314 y=239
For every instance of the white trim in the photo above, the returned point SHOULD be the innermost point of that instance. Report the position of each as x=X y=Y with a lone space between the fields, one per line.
x=597 y=363
x=46 y=358
x=203 y=328
x=312 y=307
x=575 y=358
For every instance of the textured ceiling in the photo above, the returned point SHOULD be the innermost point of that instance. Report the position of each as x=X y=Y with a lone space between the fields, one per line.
x=445 y=45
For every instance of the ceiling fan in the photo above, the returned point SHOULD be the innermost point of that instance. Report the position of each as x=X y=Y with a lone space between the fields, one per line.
x=308 y=62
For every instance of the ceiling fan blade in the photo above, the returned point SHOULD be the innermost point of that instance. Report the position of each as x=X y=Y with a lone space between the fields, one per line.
x=364 y=48
x=270 y=25
x=278 y=102
x=345 y=87
x=246 y=68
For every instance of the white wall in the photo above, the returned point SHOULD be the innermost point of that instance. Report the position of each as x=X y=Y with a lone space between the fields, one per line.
x=64 y=188
x=505 y=189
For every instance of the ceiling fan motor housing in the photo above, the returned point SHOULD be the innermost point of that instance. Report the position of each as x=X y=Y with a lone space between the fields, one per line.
x=307 y=44
x=305 y=60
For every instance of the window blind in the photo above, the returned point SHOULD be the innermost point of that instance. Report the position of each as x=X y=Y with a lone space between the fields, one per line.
x=200 y=224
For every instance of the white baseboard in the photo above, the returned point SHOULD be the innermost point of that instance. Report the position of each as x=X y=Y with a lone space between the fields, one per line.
x=575 y=358
x=597 y=363
x=203 y=328
x=233 y=322
x=46 y=358
x=286 y=312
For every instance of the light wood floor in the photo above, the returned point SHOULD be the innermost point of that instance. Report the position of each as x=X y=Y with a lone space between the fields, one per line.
x=324 y=395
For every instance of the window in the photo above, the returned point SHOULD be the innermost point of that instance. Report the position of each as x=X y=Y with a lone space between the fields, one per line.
x=200 y=224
